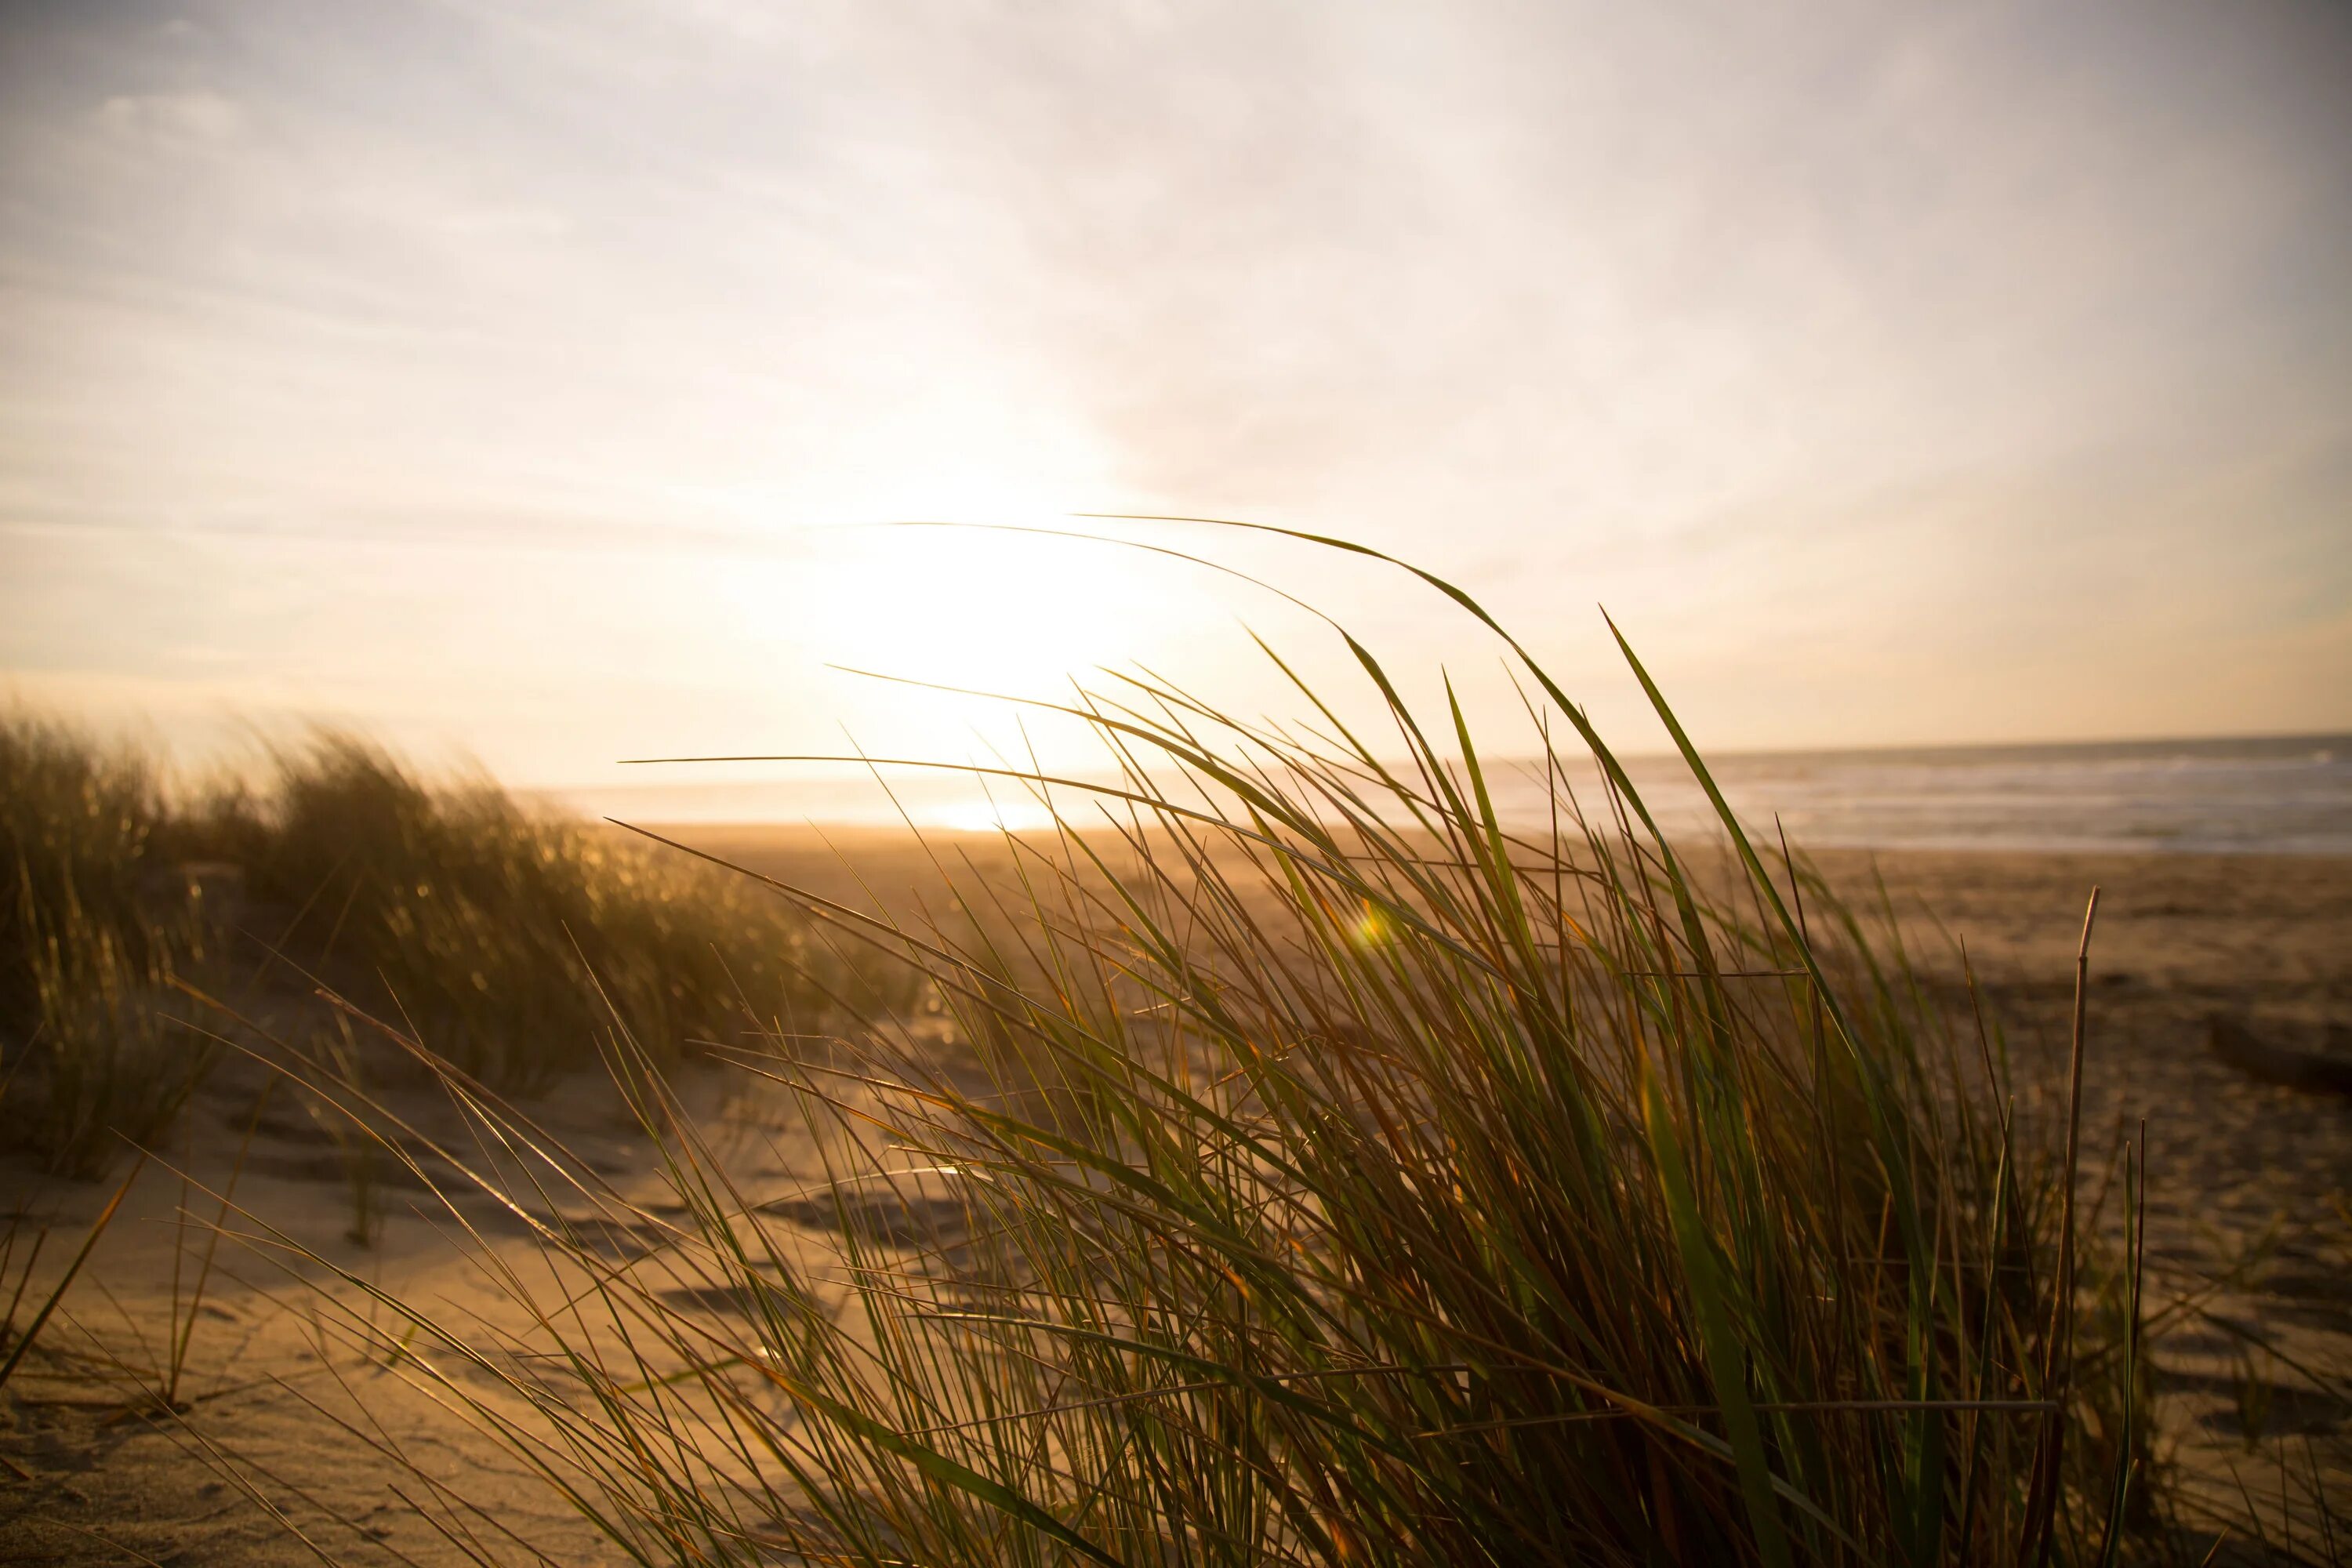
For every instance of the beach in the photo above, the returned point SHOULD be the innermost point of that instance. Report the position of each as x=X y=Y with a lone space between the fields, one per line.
x=2235 y=1167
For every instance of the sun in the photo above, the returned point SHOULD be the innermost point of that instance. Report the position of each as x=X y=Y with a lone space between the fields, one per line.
x=957 y=618
x=981 y=608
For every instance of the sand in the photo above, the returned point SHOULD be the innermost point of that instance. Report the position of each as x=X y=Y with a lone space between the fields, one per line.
x=2264 y=942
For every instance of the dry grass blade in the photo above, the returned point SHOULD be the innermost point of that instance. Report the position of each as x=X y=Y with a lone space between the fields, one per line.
x=24 y=1344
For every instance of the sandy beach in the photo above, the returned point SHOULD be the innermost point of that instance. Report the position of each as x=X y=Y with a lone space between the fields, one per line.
x=270 y=1395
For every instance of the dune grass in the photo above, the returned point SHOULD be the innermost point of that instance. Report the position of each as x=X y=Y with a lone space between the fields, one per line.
x=512 y=938
x=508 y=937
x=1306 y=1166
x=94 y=933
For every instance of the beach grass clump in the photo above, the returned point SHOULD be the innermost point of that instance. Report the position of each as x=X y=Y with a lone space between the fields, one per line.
x=512 y=939
x=115 y=1052
x=1348 y=1177
x=95 y=1053
x=142 y=921
x=79 y=821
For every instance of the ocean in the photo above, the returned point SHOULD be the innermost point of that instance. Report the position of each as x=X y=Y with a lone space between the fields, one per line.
x=2282 y=794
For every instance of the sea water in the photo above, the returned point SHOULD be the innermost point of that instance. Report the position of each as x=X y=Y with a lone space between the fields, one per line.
x=2273 y=795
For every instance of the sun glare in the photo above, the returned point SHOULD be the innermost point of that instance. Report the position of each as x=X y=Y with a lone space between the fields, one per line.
x=985 y=609
x=987 y=816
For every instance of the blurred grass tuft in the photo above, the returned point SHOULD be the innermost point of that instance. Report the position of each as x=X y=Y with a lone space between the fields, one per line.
x=513 y=941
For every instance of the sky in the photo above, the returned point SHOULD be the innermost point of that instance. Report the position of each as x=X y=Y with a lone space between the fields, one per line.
x=531 y=380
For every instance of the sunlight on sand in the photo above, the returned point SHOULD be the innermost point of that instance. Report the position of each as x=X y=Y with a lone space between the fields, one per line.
x=987 y=816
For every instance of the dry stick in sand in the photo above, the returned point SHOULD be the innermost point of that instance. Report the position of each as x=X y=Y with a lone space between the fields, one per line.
x=2058 y=1352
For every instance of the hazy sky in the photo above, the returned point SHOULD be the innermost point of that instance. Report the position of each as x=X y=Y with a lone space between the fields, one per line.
x=500 y=373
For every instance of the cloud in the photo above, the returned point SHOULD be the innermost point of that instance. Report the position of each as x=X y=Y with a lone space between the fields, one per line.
x=170 y=123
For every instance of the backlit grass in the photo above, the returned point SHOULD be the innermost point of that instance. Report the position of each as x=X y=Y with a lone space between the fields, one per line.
x=1351 y=1178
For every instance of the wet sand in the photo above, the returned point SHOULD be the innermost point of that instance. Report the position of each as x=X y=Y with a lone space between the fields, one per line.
x=2265 y=942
